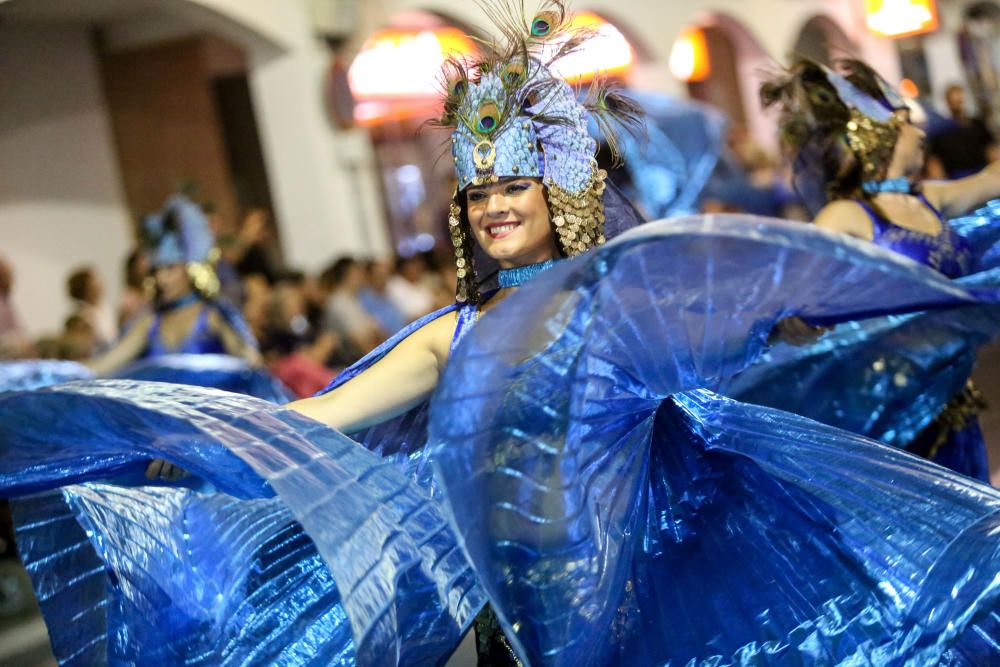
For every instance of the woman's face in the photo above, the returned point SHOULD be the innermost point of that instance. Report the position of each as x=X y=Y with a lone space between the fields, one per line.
x=171 y=282
x=510 y=220
x=908 y=154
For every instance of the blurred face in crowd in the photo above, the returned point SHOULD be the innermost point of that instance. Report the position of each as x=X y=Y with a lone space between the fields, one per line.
x=510 y=220
x=354 y=277
x=379 y=274
x=94 y=289
x=6 y=277
x=955 y=99
x=908 y=154
x=412 y=269
x=171 y=282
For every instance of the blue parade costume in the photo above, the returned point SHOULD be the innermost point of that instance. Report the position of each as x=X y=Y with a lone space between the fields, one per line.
x=573 y=468
x=346 y=535
x=900 y=380
x=180 y=234
x=889 y=378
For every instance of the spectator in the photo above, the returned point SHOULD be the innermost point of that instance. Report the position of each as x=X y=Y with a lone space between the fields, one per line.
x=256 y=304
x=344 y=313
x=298 y=354
x=964 y=145
x=87 y=294
x=135 y=296
x=408 y=289
x=14 y=341
x=79 y=341
x=254 y=249
x=375 y=299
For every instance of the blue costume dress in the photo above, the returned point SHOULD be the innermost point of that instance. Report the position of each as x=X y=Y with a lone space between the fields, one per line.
x=573 y=469
x=900 y=380
x=201 y=360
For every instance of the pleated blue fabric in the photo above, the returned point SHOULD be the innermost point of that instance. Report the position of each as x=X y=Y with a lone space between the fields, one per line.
x=617 y=512
x=210 y=370
x=580 y=476
x=35 y=373
x=889 y=377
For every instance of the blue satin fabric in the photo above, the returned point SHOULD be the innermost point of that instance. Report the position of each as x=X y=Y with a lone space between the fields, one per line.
x=36 y=373
x=400 y=577
x=209 y=370
x=556 y=428
x=888 y=378
x=671 y=161
x=613 y=520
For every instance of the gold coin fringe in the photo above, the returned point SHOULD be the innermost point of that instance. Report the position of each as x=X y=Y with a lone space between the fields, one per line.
x=578 y=217
x=872 y=142
x=461 y=240
x=203 y=278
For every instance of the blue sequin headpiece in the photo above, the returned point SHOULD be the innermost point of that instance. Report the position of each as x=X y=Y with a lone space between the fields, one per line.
x=512 y=117
x=180 y=234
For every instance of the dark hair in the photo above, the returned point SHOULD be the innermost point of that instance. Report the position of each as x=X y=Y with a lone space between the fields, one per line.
x=812 y=126
x=78 y=281
x=74 y=322
x=334 y=274
x=131 y=263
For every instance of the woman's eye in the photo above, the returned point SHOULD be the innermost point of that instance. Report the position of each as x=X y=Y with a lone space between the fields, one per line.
x=476 y=196
x=517 y=187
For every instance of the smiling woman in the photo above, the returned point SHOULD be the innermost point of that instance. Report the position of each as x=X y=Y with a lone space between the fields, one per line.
x=511 y=221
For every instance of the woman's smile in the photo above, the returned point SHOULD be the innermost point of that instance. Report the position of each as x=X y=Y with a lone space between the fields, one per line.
x=499 y=230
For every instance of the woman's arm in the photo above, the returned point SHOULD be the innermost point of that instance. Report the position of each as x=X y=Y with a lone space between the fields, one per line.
x=125 y=350
x=232 y=342
x=403 y=378
x=954 y=198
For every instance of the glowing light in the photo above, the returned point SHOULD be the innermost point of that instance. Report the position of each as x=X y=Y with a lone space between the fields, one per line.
x=901 y=18
x=607 y=53
x=397 y=63
x=689 y=59
x=909 y=89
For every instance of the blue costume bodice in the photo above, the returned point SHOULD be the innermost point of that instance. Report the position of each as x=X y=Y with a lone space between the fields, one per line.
x=946 y=252
x=200 y=340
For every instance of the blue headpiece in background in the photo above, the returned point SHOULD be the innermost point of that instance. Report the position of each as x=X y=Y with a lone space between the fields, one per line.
x=180 y=233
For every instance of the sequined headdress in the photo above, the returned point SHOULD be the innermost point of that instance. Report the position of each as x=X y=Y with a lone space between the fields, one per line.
x=180 y=234
x=823 y=109
x=510 y=116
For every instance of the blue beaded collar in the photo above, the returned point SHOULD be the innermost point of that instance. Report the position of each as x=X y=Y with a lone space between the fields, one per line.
x=522 y=274
x=900 y=184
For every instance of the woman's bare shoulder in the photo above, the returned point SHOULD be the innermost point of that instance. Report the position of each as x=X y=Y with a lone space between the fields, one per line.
x=847 y=217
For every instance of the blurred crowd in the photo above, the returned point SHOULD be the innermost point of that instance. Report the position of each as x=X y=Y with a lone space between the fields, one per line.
x=308 y=325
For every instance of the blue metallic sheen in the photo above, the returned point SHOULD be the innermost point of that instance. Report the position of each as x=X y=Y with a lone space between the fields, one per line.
x=889 y=377
x=580 y=476
x=901 y=184
x=518 y=276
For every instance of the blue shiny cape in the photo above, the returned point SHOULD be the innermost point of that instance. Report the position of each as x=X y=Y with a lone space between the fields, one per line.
x=670 y=163
x=209 y=370
x=28 y=374
x=577 y=482
x=886 y=377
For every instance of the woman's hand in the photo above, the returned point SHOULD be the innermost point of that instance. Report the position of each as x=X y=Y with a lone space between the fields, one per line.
x=796 y=331
x=165 y=471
